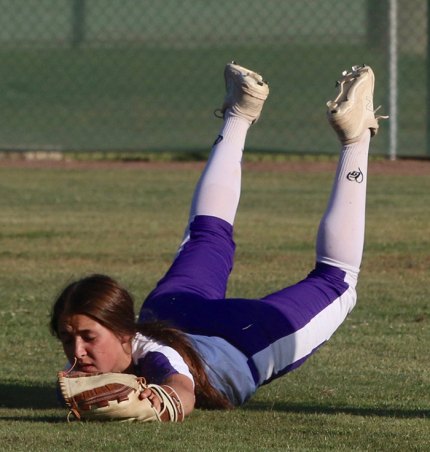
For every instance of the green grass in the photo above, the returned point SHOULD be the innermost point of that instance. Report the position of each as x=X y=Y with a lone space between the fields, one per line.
x=162 y=99
x=367 y=389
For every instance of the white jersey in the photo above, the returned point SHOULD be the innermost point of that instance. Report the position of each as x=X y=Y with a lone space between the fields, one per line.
x=156 y=361
x=225 y=366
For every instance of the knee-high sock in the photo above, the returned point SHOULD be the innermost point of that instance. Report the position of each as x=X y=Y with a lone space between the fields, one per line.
x=340 y=237
x=217 y=192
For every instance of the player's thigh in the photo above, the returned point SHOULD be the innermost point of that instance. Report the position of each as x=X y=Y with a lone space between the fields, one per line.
x=204 y=263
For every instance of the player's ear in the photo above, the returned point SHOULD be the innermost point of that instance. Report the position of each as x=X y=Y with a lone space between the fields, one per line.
x=126 y=342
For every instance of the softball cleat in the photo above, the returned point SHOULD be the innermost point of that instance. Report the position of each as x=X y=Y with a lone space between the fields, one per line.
x=351 y=113
x=246 y=92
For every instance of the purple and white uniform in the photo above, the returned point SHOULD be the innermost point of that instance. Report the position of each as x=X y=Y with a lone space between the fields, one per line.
x=246 y=343
x=156 y=361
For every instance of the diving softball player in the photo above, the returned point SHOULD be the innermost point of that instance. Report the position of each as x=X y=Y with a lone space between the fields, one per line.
x=216 y=351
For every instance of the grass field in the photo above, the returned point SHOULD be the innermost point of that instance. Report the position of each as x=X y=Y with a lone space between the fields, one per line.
x=153 y=98
x=145 y=98
x=367 y=389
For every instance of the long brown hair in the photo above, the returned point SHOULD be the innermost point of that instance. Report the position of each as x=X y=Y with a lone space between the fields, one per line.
x=105 y=301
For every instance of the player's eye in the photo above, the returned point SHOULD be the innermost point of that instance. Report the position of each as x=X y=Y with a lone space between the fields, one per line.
x=67 y=341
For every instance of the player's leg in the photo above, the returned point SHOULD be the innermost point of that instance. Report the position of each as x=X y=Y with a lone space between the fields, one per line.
x=340 y=237
x=218 y=191
x=205 y=258
x=314 y=308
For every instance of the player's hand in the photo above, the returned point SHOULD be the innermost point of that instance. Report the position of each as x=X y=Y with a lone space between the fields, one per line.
x=152 y=397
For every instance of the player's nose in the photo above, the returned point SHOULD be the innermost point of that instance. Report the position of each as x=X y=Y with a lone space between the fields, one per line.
x=79 y=350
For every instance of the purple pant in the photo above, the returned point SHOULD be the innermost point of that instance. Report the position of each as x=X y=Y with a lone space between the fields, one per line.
x=280 y=330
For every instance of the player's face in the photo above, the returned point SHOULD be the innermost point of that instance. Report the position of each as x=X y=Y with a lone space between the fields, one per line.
x=95 y=347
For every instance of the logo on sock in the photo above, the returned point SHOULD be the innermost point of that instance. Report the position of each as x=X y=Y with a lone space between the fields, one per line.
x=355 y=176
x=219 y=138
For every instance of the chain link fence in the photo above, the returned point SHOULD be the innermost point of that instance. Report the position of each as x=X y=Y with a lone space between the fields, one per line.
x=128 y=75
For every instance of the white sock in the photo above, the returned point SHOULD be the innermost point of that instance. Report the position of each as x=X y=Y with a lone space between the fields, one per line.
x=218 y=191
x=340 y=237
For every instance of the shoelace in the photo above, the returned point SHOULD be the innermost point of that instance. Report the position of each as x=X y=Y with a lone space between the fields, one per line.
x=380 y=116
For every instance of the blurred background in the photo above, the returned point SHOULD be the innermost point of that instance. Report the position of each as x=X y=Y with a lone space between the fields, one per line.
x=145 y=75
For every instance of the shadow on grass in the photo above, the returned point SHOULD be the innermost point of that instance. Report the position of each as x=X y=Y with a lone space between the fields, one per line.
x=47 y=419
x=41 y=397
x=26 y=397
x=18 y=395
x=355 y=411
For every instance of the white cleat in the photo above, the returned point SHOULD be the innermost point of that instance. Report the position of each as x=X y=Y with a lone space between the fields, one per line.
x=351 y=113
x=246 y=92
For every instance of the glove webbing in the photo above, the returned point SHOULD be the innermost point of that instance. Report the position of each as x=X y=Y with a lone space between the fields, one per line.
x=97 y=396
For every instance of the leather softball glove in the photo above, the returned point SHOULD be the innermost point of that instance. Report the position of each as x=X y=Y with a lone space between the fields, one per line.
x=117 y=397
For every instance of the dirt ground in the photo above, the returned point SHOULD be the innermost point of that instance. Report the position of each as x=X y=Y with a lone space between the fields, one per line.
x=397 y=167
x=284 y=164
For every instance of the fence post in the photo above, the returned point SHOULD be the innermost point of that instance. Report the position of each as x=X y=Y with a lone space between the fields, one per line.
x=428 y=81
x=393 y=72
x=78 y=22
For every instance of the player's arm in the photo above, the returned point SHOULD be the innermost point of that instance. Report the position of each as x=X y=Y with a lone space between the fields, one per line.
x=185 y=389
